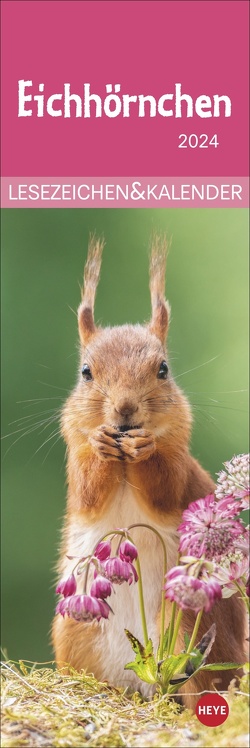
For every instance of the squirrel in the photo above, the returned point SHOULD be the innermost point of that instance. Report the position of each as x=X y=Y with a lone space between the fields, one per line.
x=127 y=429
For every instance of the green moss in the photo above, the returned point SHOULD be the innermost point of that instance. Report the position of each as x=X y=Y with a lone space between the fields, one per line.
x=45 y=707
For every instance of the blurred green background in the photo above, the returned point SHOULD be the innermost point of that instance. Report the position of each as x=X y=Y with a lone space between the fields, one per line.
x=43 y=254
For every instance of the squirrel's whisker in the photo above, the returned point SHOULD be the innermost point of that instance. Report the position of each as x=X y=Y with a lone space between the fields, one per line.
x=209 y=361
x=54 y=433
x=31 y=426
x=54 y=386
x=52 y=446
x=34 y=415
x=26 y=432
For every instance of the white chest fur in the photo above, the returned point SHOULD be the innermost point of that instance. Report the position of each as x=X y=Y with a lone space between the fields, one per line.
x=82 y=538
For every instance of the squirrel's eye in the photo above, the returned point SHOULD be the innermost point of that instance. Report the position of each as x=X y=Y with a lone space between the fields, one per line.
x=163 y=370
x=86 y=373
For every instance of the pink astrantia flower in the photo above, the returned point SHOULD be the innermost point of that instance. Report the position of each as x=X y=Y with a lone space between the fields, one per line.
x=101 y=587
x=210 y=528
x=238 y=569
x=191 y=592
x=83 y=608
x=128 y=551
x=66 y=587
x=103 y=550
x=232 y=570
x=242 y=542
x=118 y=571
x=62 y=606
x=234 y=480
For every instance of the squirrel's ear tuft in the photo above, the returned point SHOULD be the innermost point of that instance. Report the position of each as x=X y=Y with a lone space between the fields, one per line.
x=160 y=320
x=160 y=307
x=92 y=268
x=86 y=325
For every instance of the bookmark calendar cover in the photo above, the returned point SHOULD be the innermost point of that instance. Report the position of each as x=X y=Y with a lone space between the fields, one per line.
x=125 y=467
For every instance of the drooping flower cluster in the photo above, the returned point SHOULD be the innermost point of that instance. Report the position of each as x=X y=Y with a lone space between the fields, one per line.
x=192 y=586
x=83 y=608
x=119 y=568
x=67 y=587
x=234 y=480
x=107 y=571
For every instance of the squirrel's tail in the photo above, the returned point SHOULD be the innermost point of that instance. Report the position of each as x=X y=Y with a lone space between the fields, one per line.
x=157 y=269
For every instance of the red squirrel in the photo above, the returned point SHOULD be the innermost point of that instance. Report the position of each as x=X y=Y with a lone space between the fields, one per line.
x=127 y=429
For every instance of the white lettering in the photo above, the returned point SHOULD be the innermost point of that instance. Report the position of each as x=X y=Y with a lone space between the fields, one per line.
x=114 y=104
x=161 y=110
x=50 y=110
x=112 y=99
x=34 y=192
x=68 y=97
x=91 y=97
x=179 y=97
x=22 y=112
x=210 y=195
x=152 y=102
x=79 y=192
x=53 y=196
x=227 y=102
x=120 y=191
x=11 y=196
x=40 y=101
x=236 y=191
x=97 y=192
x=203 y=102
x=126 y=102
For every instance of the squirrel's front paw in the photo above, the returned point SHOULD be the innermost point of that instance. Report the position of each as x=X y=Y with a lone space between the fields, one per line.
x=105 y=442
x=137 y=445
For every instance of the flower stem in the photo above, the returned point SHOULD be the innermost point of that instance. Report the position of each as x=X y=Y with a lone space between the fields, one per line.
x=162 y=628
x=83 y=561
x=86 y=579
x=162 y=624
x=141 y=602
x=171 y=626
x=175 y=632
x=195 y=631
x=172 y=620
x=243 y=595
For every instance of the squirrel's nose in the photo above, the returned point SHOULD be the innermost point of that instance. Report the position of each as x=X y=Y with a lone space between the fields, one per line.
x=126 y=408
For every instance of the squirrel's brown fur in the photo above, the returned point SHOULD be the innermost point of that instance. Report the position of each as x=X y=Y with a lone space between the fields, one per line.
x=127 y=435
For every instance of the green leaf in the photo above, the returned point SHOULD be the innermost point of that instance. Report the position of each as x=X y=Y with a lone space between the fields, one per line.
x=144 y=664
x=186 y=640
x=170 y=666
x=178 y=679
x=194 y=661
x=221 y=666
x=145 y=671
x=173 y=687
x=135 y=643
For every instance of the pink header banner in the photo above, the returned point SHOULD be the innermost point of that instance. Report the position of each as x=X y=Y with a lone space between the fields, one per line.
x=125 y=192
x=117 y=88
